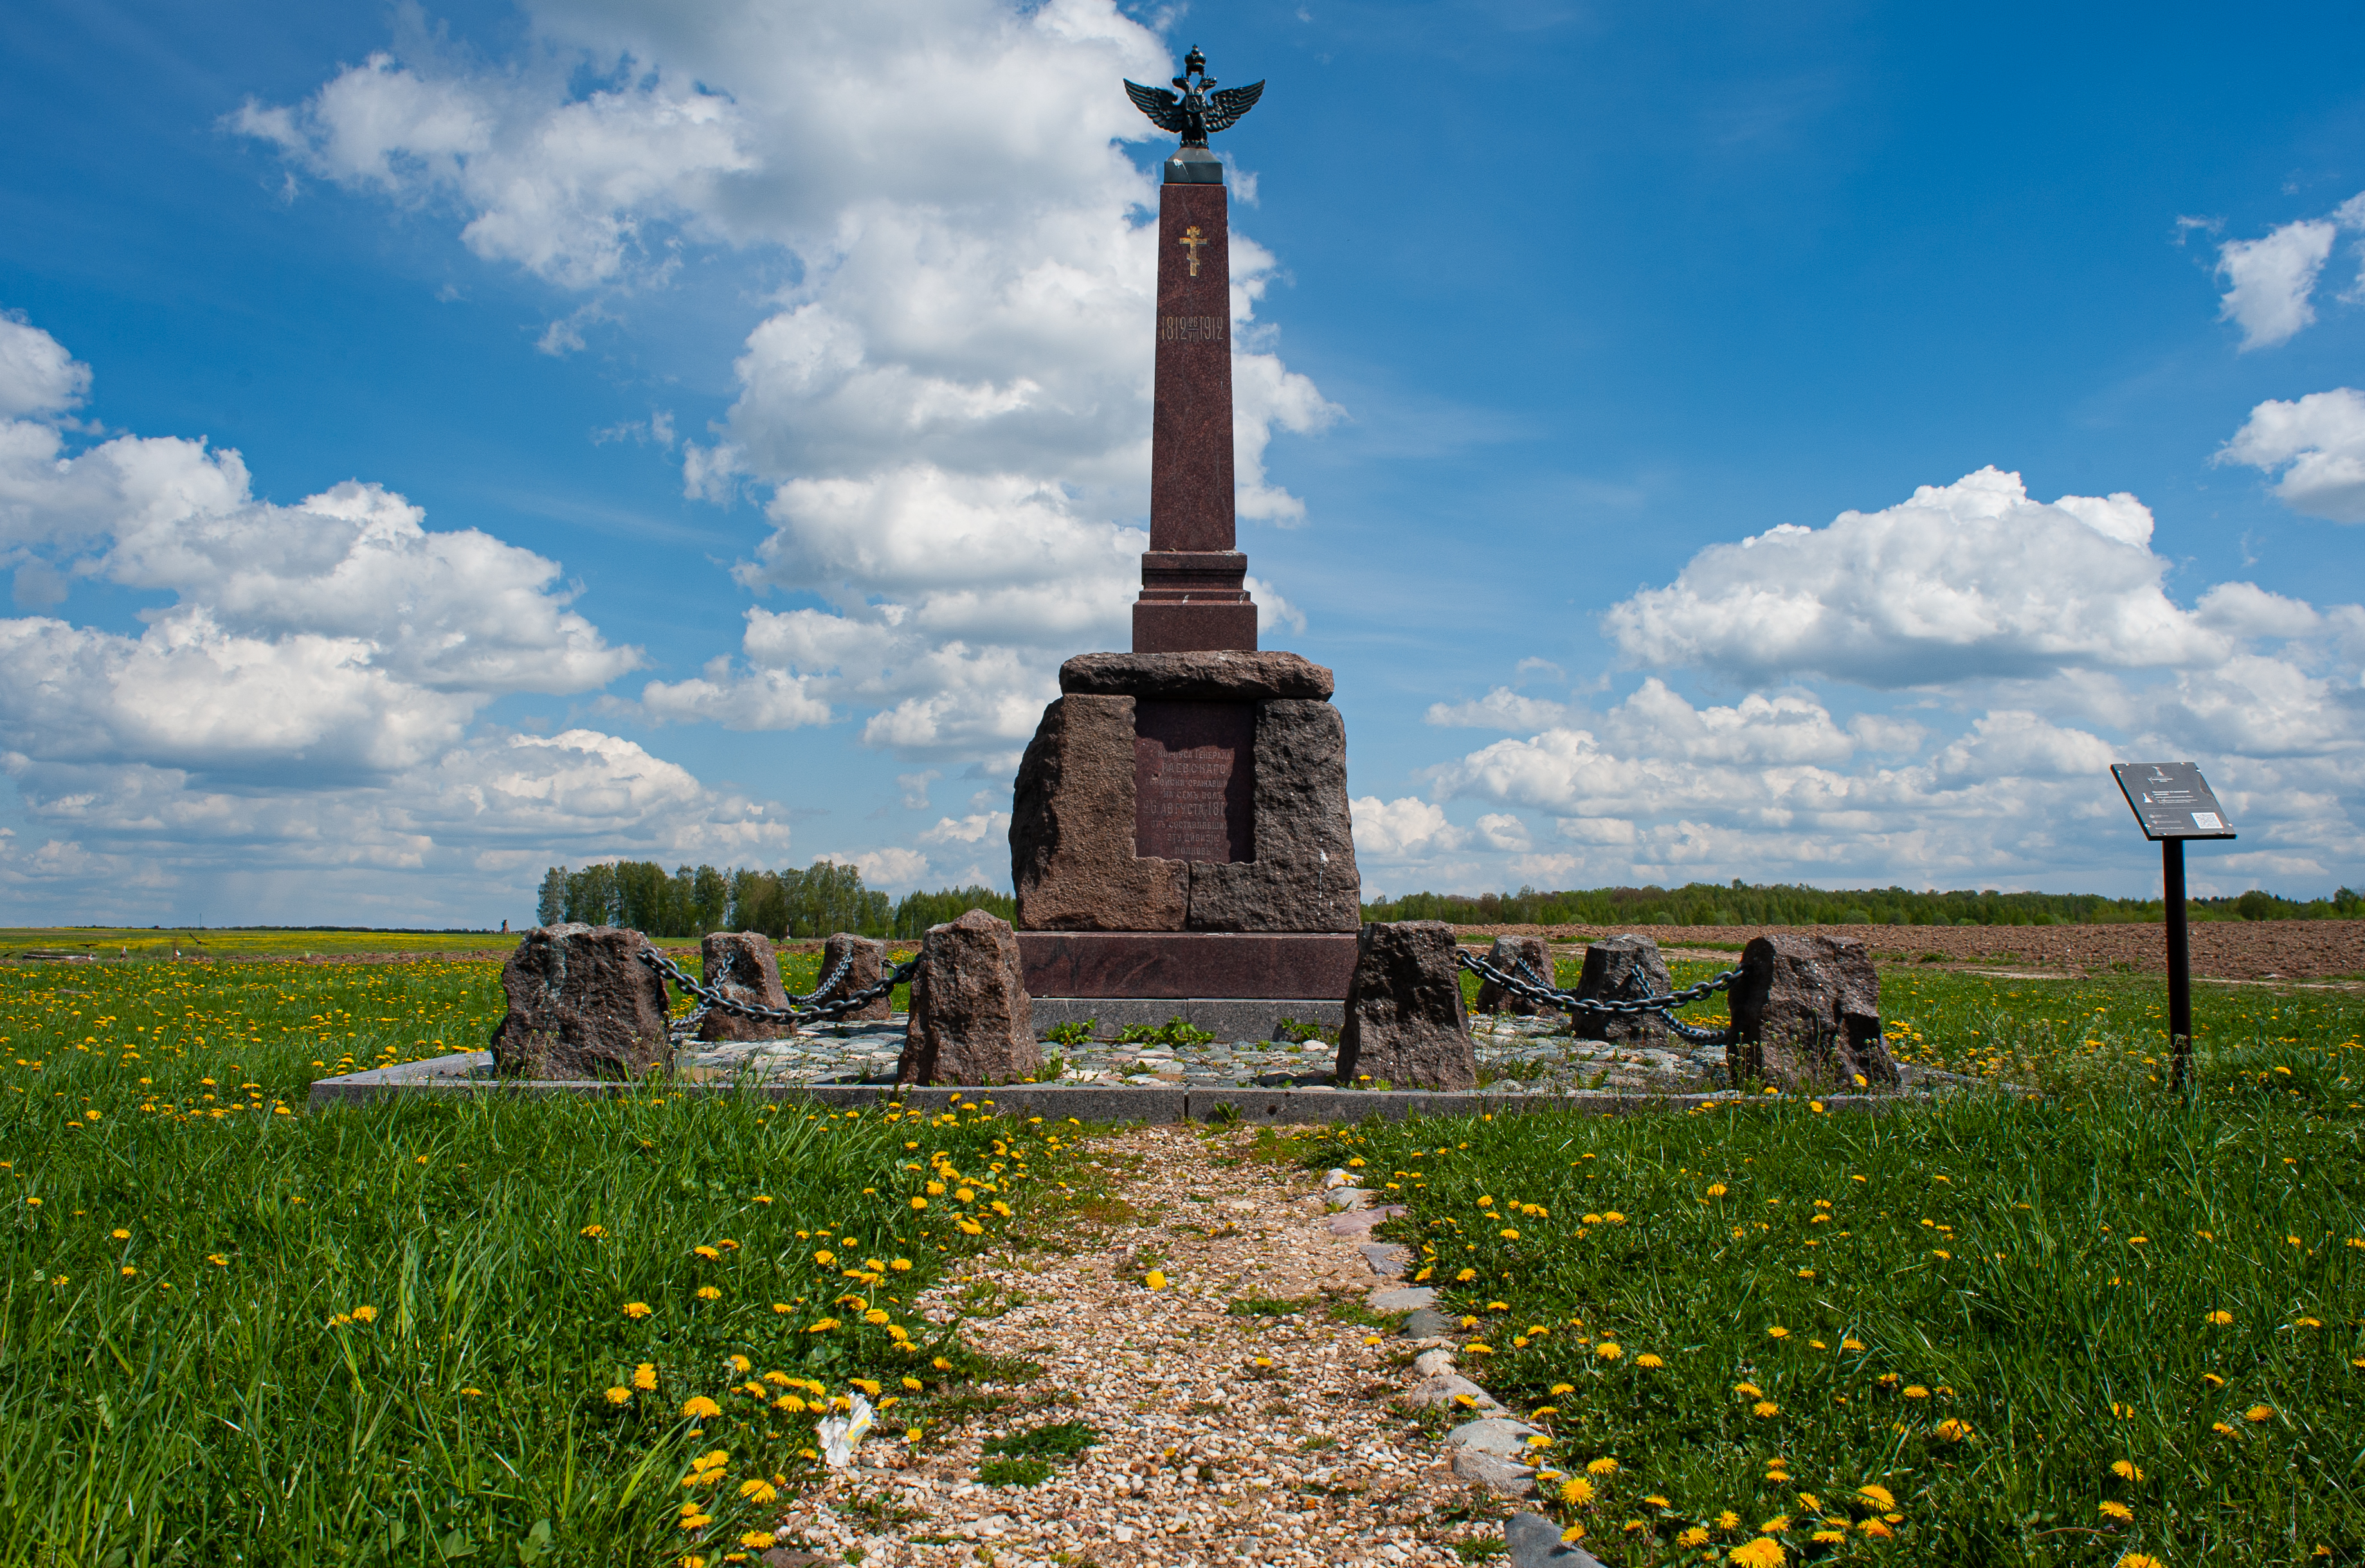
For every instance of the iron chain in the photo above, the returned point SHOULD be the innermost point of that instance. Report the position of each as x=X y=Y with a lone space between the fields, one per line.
x=1534 y=989
x=711 y=1000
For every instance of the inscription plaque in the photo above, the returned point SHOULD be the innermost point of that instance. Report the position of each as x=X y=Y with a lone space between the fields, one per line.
x=1193 y=787
x=2171 y=799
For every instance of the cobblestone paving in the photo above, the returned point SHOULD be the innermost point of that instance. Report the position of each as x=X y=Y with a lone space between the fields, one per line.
x=1515 y=1055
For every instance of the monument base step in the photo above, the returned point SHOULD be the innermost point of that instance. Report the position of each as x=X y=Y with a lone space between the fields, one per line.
x=1226 y=1017
x=1180 y=965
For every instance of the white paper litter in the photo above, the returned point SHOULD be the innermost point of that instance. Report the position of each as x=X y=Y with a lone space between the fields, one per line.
x=841 y=1435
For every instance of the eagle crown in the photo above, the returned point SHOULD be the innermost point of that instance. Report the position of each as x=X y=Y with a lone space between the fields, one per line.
x=1199 y=109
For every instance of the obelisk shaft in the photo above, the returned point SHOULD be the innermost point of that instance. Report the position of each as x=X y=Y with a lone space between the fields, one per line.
x=1192 y=593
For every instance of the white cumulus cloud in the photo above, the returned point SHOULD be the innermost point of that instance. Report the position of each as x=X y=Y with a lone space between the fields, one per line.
x=945 y=413
x=2044 y=648
x=2318 y=444
x=1975 y=579
x=294 y=717
x=37 y=375
x=2270 y=281
x=1403 y=829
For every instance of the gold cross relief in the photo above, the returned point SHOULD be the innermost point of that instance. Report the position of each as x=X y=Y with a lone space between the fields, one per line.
x=1193 y=238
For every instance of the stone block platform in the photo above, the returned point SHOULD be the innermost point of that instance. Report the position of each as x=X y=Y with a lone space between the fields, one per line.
x=1523 y=1067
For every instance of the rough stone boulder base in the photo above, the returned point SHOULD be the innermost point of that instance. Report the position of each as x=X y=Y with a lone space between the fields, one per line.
x=1071 y=854
x=581 y=1006
x=1619 y=968
x=1806 y=1014
x=742 y=966
x=1526 y=956
x=1219 y=676
x=1406 y=1024
x=971 y=1021
x=869 y=963
x=1303 y=876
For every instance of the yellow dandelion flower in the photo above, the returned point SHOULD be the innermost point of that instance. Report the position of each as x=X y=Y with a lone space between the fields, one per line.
x=2259 y=1413
x=1778 y=1332
x=644 y=1376
x=2117 y=1512
x=1155 y=1280
x=1577 y=1491
x=1608 y=1350
x=700 y=1407
x=1605 y=1465
x=758 y=1490
x=2221 y=1318
x=1763 y=1553
x=1647 y=1360
x=1879 y=1496
x=2126 y=1469
x=1696 y=1536
x=1916 y=1390
x=1765 y=1409
x=619 y=1395
x=637 y=1309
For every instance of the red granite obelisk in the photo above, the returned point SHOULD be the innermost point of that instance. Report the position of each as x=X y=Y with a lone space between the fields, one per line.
x=1192 y=595
x=1181 y=841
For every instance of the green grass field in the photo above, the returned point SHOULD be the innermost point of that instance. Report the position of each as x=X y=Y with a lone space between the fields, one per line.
x=495 y=1329
x=2106 y=1323
x=163 y=942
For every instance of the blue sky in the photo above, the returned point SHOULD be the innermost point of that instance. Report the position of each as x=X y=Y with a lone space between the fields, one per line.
x=696 y=432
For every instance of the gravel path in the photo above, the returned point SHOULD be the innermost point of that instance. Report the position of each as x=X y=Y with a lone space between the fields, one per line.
x=1204 y=1455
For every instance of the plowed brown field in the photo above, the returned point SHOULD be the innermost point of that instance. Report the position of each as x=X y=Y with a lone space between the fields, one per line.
x=2264 y=949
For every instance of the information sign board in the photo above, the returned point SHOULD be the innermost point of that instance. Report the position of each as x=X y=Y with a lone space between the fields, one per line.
x=2171 y=799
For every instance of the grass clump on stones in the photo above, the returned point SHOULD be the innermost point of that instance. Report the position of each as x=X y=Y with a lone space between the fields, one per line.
x=1025 y=1457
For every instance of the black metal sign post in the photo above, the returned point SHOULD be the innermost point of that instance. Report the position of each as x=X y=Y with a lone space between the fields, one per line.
x=2172 y=802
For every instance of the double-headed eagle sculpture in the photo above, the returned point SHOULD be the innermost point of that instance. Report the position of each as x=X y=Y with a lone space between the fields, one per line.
x=1197 y=111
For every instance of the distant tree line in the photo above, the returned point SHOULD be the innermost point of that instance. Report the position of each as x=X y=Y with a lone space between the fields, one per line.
x=692 y=901
x=1707 y=903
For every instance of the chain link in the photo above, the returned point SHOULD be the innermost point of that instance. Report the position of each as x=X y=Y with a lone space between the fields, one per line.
x=1534 y=989
x=712 y=1000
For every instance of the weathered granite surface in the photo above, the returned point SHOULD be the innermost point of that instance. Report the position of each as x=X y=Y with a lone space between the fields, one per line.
x=1072 y=856
x=1304 y=876
x=971 y=1020
x=581 y=1004
x=743 y=966
x=1806 y=1014
x=1510 y=954
x=869 y=963
x=1406 y=1024
x=1236 y=676
x=1620 y=968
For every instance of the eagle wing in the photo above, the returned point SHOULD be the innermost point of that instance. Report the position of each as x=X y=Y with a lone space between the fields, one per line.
x=1226 y=106
x=1164 y=110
